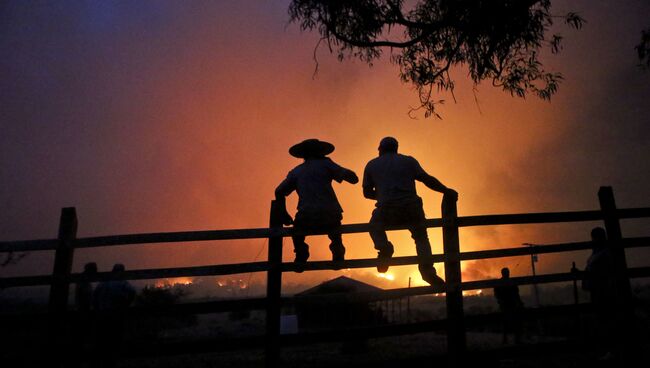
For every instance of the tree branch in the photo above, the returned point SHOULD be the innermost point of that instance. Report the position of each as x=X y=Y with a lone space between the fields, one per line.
x=401 y=19
x=383 y=43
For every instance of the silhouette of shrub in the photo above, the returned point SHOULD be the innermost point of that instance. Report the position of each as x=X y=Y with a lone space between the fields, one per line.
x=157 y=322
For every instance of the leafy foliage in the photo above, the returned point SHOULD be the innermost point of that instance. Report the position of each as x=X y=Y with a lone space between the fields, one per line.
x=497 y=40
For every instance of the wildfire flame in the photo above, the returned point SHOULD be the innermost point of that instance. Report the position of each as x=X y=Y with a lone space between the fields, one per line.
x=233 y=284
x=174 y=281
x=472 y=292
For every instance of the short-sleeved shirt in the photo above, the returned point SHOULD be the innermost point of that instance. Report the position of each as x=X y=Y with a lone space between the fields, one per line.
x=313 y=181
x=508 y=297
x=113 y=295
x=393 y=176
x=600 y=275
x=83 y=296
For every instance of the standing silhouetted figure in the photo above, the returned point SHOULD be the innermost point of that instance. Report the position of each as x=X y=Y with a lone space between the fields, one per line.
x=390 y=180
x=83 y=299
x=114 y=295
x=84 y=289
x=600 y=281
x=318 y=207
x=110 y=300
x=511 y=306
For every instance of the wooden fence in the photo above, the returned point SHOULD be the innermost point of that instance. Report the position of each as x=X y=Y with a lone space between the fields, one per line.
x=455 y=324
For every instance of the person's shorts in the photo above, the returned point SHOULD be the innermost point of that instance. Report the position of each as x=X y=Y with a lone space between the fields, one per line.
x=396 y=215
x=317 y=221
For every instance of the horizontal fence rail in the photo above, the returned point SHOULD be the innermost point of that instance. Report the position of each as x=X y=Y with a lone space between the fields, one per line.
x=455 y=324
x=229 y=269
x=257 y=233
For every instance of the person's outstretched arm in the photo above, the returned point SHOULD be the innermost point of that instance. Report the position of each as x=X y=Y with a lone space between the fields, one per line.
x=349 y=176
x=284 y=189
x=433 y=183
x=340 y=173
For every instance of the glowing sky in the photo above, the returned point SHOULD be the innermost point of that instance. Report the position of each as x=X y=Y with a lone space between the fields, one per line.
x=170 y=116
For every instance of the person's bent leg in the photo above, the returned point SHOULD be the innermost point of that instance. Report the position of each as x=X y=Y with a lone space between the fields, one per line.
x=423 y=249
x=300 y=225
x=332 y=224
x=336 y=247
x=377 y=232
x=380 y=240
x=301 y=249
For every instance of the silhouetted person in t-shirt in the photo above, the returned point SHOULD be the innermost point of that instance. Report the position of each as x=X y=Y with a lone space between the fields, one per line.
x=600 y=281
x=110 y=300
x=318 y=207
x=511 y=307
x=114 y=295
x=390 y=180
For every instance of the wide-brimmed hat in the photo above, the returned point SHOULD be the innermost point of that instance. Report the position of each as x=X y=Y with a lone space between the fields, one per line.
x=311 y=148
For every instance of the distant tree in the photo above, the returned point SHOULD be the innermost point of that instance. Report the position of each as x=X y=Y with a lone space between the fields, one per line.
x=155 y=296
x=154 y=323
x=497 y=40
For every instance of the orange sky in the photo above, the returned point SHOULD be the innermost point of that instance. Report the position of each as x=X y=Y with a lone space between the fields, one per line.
x=170 y=117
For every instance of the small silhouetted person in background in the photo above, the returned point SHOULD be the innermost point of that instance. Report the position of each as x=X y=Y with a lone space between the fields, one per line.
x=600 y=281
x=83 y=300
x=114 y=295
x=84 y=290
x=318 y=207
x=511 y=307
x=390 y=180
x=110 y=300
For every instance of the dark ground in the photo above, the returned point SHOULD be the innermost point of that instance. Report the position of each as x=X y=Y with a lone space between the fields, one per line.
x=558 y=345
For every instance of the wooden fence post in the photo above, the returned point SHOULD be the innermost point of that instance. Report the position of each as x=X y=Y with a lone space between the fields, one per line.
x=60 y=288
x=624 y=304
x=274 y=291
x=576 y=300
x=456 y=340
x=63 y=260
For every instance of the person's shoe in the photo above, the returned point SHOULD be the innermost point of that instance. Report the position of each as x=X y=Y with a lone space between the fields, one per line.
x=431 y=277
x=300 y=260
x=384 y=256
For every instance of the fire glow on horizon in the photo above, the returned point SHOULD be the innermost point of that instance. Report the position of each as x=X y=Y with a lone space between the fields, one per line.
x=171 y=282
x=173 y=122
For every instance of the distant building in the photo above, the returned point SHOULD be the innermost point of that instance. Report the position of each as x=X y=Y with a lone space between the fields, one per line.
x=341 y=302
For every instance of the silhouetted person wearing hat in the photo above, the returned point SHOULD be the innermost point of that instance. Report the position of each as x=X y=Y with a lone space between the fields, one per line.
x=110 y=300
x=390 y=180
x=511 y=306
x=83 y=296
x=318 y=207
